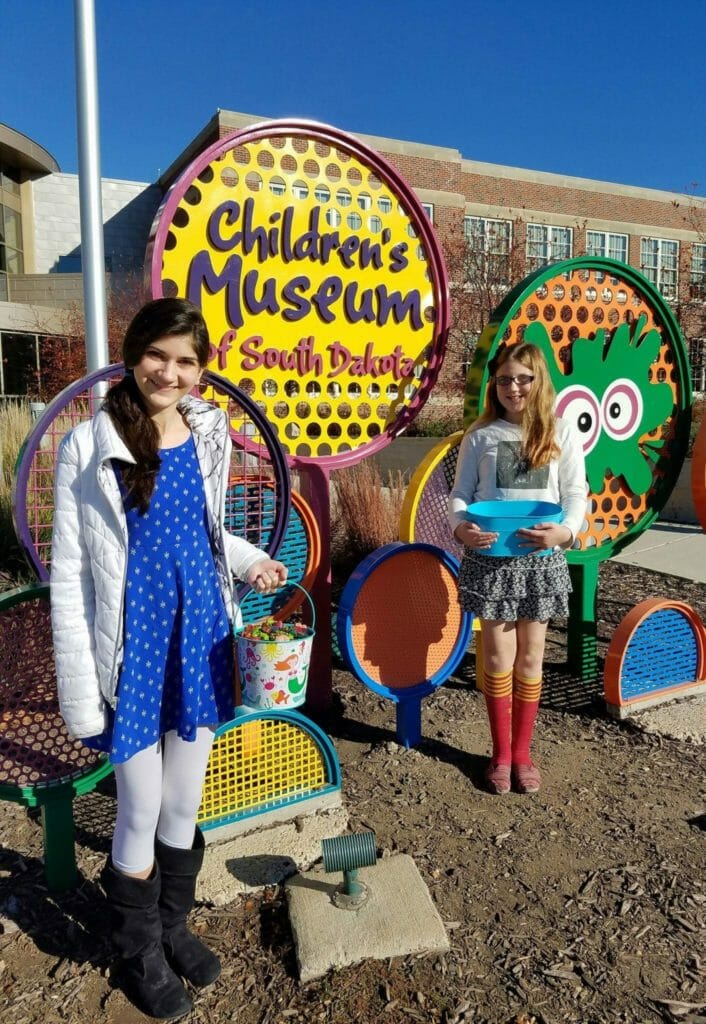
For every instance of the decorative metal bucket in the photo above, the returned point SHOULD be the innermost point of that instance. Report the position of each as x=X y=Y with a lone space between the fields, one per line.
x=274 y=673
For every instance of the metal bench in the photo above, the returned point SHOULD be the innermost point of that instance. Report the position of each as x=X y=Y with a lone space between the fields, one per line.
x=40 y=764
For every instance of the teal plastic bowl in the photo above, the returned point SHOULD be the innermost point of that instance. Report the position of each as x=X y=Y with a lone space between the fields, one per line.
x=506 y=518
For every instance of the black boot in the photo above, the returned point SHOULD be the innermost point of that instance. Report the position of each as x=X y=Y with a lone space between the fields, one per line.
x=185 y=952
x=148 y=980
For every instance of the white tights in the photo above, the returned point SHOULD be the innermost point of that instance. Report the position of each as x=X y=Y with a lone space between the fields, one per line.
x=159 y=792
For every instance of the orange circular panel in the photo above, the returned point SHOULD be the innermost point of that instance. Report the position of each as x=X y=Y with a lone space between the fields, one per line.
x=400 y=626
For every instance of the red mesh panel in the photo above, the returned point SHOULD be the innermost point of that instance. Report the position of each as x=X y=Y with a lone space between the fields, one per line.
x=34 y=745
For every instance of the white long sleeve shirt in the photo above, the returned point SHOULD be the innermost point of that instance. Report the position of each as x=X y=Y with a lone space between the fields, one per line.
x=490 y=468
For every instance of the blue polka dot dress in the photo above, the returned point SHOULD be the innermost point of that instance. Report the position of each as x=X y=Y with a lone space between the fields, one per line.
x=177 y=670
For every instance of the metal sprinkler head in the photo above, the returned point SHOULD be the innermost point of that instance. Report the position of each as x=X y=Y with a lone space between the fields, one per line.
x=347 y=853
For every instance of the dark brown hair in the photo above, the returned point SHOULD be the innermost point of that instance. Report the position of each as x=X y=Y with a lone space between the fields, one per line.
x=123 y=402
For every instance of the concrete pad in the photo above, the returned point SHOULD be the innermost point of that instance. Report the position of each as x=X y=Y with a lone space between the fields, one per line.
x=398 y=918
x=298 y=810
x=675 y=548
x=683 y=719
x=266 y=856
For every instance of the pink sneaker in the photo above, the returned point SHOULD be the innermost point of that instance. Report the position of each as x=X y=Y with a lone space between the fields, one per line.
x=497 y=777
x=526 y=777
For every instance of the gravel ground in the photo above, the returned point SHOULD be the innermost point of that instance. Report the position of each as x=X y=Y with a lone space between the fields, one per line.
x=584 y=903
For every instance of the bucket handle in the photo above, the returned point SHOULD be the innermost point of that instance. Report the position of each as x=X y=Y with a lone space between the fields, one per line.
x=306 y=594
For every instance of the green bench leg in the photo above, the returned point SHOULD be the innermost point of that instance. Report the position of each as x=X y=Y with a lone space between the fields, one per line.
x=59 y=839
x=582 y=631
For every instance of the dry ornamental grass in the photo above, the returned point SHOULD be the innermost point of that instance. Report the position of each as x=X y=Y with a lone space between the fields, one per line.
x=365 y=509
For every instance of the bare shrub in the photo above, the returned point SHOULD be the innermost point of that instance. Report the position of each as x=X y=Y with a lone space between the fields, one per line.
x=15 y=424
x=366 y=509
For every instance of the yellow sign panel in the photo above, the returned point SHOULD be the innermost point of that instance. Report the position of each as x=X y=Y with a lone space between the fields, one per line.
x=319 y=277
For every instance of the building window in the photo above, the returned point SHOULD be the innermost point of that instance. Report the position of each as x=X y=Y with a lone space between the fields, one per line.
x=489 y=242
x=697 y=279
x=659 y=262
x=469 y=341
x=429 y=210
x=19 y=363
x=697 y=362
x=547 y=244
x=605 y=243
x=11 y=247
x=9 y=179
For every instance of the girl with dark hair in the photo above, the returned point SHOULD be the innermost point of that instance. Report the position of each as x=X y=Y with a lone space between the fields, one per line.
x=517 y=449
x=143 y=602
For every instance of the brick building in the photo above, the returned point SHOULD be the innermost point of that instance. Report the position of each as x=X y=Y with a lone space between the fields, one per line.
x=495 y=223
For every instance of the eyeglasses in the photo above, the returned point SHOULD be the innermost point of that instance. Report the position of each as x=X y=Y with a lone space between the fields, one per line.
x=522 y=380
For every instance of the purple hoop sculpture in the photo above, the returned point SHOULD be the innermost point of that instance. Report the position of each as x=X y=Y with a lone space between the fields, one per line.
x=258 y=498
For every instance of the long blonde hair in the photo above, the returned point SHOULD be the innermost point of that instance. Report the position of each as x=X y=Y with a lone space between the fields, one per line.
x=539 y=444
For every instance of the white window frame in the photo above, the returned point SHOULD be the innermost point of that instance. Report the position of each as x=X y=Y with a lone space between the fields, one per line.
x=429 y=210
x=607 y=243
x=491 y=236
x=553 y=243
x=659 y=262
x=469 y=341
x=697 y=276
x=697 y=363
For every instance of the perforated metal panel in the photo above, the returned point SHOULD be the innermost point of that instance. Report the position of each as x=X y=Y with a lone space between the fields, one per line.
x=337 y=320
x=263 y=761
x=301 y=553
x=593 y=298
x=35 y=749
x=663 y=652
x=424 y=514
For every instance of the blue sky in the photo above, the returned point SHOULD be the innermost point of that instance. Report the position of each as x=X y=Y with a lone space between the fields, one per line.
x=614 y=91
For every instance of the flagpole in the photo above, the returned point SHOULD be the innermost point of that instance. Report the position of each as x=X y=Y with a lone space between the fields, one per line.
x=89 y=184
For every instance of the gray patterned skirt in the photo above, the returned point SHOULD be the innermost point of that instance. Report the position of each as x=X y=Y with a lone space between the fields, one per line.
x=534 y=587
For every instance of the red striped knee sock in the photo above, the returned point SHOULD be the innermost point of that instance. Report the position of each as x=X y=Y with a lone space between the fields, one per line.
x=497 y=689
x=525 y=702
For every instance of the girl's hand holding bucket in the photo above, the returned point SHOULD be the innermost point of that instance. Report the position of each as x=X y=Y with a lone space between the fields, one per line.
x=472 y=536
x=545 y=536
x=267 y=576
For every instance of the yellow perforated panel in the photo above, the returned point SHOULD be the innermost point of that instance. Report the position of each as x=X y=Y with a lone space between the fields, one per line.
x=257 y=765
x=314 y=278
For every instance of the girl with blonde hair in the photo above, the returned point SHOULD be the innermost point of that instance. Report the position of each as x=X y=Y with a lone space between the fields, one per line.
x=517 y=450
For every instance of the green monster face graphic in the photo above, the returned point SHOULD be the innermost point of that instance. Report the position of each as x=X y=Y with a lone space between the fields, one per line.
x=615 y=404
